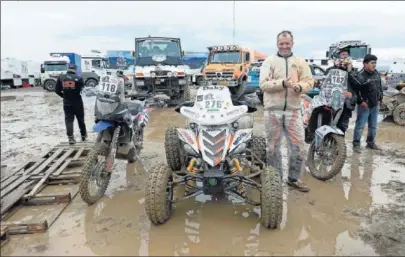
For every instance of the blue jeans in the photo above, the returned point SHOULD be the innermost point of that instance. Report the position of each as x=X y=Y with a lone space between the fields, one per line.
x=370 y=116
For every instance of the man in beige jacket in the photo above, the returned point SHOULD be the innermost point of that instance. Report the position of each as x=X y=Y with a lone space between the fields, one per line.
x=283 y=78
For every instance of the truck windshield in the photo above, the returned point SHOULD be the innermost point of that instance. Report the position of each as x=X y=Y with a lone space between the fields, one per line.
x=195 y=63
x=147 y=50
x=55 y=67
x=255 y=67
x=358 y=52
x=98 y=63
x=225 y=57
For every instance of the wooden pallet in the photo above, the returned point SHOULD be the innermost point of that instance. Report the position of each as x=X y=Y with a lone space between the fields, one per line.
x=22 y=187
x=4 y=235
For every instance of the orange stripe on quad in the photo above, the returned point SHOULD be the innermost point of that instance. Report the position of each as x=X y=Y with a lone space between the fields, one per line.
x=220 y=140
x=217 y=161
x=219 y=150
x=230 y=141
x=197 y=138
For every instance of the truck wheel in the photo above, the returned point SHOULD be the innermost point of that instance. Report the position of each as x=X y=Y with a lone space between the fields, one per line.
x=50 y=85
x=199 y=80
x=399 y=114
x=271 y=198
x=91 y=83
x=172 y=149
x=159 y=194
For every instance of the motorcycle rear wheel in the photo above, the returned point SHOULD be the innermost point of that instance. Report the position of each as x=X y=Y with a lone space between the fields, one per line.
x=338 y=159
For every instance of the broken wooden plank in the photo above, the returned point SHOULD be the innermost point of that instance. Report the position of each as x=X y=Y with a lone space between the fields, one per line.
x=36 y=171
x=60 y=177
x=8 y=201
x=26 y=228
x=16 y=176
x=78 y=153
x=15 y=171
x=49 y=171
x=63 y=182
x=41 y=199
x=4 y=235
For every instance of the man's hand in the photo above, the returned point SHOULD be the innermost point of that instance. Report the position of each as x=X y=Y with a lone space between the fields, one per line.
x=288 y=83
x=348 y=94
x=349 y=67
x=363 y=105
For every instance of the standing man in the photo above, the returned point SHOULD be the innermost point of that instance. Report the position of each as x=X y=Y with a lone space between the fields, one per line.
x=283 y=78
x=68 y=87
x=369 y=96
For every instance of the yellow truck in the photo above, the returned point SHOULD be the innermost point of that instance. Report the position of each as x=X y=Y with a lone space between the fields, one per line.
x=228 y=65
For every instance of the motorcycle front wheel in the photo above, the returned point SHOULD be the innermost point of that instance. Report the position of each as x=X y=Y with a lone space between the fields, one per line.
x=331 y=155
x=94 y=180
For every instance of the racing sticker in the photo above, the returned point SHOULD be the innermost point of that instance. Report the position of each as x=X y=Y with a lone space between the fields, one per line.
x=213 y=104
x=110 y=88
x=192 y=113
x=69 y=84
x=199 y=98
x=239 y=138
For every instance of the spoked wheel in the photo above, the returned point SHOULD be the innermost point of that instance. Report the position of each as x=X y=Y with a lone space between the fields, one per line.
x=95 y=180
x=327 y=161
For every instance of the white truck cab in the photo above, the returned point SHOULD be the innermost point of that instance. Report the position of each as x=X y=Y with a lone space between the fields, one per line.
x=10 y=73
x=94 y=66
x=51 y=69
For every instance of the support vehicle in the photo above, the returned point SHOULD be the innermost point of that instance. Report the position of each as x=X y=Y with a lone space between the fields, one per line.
x=326 y=141
x=56 y=65
x=394 y=105
x=229 y=66
x=14 y=73
x=196 y=62
x=214 y=156
x=94 y=66
x=357 y=51
x=120 y=127
x=160 y=71
x=34 y=72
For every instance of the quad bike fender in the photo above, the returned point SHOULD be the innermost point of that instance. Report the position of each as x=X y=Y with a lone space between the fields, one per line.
x=188 y=137
x=241 y=136
x=324 y=130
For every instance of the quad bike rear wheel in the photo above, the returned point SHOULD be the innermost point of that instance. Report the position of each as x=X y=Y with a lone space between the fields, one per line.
x=159 y=194
x=399 y=114
x=337 y=160
x=173 y=149
x=92 y=166
x=271 y=198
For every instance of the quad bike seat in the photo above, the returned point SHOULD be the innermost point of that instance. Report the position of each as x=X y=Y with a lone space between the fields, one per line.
x=134 y=108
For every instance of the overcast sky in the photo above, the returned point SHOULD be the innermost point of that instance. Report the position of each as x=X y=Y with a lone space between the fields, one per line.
x=31 y=30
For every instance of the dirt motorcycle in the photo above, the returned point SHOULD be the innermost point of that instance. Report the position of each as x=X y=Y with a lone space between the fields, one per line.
x=320 y=118
x=120 y=126
x=394 y=105
x=215 y=151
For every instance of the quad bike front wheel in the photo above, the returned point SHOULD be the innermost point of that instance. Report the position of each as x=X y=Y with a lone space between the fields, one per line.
x=333 y=155
x=173 y=149
x=94 y=180
x=159 y=194
x=258 y=147
x=271 y=198
x=399 y=114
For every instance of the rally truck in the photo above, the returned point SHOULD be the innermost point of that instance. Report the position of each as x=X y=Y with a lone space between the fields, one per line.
x=159 y=70
x=357 y=51
x=229 y=65
x=56 y=65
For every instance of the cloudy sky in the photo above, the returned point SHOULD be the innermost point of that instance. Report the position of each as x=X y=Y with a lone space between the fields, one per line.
x=31 y=30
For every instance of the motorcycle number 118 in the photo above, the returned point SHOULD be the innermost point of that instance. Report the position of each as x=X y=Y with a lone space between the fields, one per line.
x=108 y=87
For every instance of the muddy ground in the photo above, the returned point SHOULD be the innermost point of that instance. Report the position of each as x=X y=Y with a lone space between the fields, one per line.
x=360 y=212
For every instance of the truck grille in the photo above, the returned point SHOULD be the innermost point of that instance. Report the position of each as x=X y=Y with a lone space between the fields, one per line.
x=219 y=75
x=161 y=72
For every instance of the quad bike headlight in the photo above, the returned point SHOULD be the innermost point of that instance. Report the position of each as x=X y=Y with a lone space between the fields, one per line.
x=235 y=125
x=193 y=125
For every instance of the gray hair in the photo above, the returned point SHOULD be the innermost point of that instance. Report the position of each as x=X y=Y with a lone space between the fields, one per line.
x=285 y=33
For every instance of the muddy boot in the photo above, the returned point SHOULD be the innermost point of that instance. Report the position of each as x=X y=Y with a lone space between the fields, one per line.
x=297 y=184
x=356 y=147
x=373 y=146
x=72 y=140
x=84 y=138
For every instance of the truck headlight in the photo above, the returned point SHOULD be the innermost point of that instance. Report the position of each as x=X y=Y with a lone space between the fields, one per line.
x=174 y=73
x=152 y=74
x=140 y=83
x=169 y=74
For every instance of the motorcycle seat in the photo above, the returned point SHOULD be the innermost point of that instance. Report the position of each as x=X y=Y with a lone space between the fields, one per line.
x=134 y=108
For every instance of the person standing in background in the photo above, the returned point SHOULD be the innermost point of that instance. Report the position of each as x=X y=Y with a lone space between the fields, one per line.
x=69 y=87
x=283 y=78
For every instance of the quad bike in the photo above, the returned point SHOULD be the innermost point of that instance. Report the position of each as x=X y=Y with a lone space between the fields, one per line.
x=321 y=116
x=394 y=105
x=214 y=151
x=120 y=127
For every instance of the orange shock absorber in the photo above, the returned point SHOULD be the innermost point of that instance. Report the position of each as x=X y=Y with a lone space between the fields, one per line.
x=194 y=170
x=236 y=168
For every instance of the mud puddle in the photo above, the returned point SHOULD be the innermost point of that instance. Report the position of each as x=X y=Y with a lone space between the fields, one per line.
x=357 y=213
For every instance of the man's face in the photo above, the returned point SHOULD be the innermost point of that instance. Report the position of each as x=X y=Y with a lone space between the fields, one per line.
x=370 y=66
x=343 y=55
x=285 y=45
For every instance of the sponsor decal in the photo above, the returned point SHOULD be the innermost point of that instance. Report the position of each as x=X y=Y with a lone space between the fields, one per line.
x=239 y=138
x=188 y=137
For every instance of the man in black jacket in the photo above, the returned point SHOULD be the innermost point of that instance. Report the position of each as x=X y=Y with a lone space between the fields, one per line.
x=369 y=96
x=69 y=86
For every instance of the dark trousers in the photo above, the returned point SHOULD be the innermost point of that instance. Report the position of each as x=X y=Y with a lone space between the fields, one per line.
x=343 y=122
x=72 y=110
